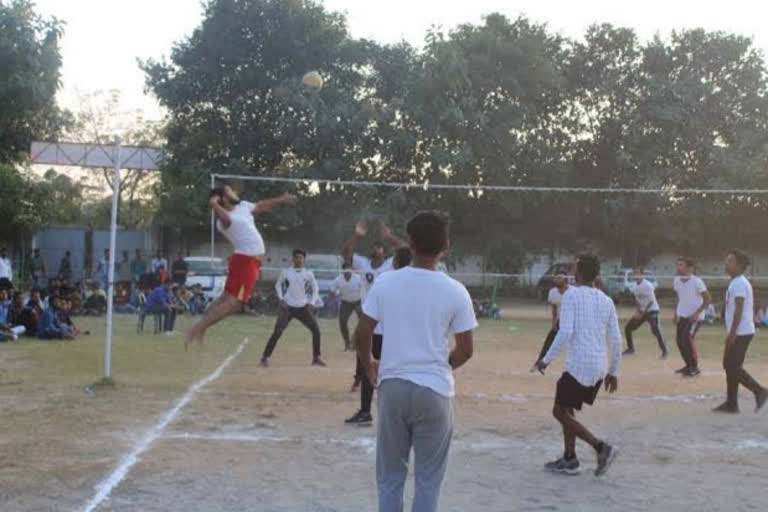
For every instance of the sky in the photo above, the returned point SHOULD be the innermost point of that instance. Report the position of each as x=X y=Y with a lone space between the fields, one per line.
x=104 y=38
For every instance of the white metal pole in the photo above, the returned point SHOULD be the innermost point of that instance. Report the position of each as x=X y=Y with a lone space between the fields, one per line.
x=111 y=262
x=213 y=220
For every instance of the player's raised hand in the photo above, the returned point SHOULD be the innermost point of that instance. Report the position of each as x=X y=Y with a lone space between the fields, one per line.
x=361 y=228
x=384 y=231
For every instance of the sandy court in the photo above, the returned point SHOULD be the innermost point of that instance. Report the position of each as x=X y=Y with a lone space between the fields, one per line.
x=274 y=440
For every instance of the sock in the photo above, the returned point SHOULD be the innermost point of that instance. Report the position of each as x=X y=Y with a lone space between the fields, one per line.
x=569 y=456
x=599 y=447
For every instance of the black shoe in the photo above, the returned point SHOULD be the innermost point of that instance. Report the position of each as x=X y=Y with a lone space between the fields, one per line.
x=727 y=408
x=360 y=418
x=692 y=372
x=628 y=352
x=605 y=458
x=684 y=369
x=564 y=466
x=318 y=362
x=760 y=398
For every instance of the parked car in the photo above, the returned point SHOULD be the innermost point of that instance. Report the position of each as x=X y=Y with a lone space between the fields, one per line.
x=209 y=273
x=621 y=284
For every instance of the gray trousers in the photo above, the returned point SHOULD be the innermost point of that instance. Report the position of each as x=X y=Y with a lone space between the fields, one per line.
x=411 y=416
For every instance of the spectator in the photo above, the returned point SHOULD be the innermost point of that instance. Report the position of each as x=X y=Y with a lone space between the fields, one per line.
x=96 y=303
x=160 y=301
x=197 y=302
x=21 y=316
x=124 y=272
x=50 y=326
x=102 y=271
x=6 y=271
x=65 y=268
x=159 y=262
x=38 y=269
x=182 y=297
x=179 y=270
x=64 y=316
x=8 y=329
x=138 y=269
x=35 y=303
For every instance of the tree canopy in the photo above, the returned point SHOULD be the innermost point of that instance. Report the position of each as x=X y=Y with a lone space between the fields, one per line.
x=500 y=102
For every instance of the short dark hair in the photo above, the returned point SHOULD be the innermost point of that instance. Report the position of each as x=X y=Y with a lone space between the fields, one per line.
x=216 y=191
x=741 y=258
x=687 y=260
x=299 y=251
x=379 y=244
x=428 y=232
x=588 y=267
x=17 y=294
x=402 y=257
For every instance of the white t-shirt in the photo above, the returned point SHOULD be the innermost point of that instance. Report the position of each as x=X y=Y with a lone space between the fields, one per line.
x=740 y=287
x=242 y=232
x=645 y=296
x=555 y=298
x=417 y=309
x=297 y=287
x=362 y=265
x=156 y=264
x=5 y=268
x=350 y=291
x=689 y=296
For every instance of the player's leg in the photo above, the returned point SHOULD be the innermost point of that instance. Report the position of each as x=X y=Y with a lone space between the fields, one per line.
x=431 y=416
x=693 y=349
x=219 y=309
x=284 y=317
x=304 y=316
x=393 y=444
x=653 y=322
x=631 y=327
x=682 y=338
x=345 y=311
x=367 y=387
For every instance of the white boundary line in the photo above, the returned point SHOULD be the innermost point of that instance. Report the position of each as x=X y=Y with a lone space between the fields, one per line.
x=106 y=486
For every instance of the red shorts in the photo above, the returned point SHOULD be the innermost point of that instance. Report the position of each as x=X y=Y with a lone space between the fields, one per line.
x=243 y=273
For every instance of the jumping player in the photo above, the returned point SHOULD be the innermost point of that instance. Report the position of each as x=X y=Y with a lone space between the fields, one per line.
x=647 y=311
x=587 y=318
x=235 y=221
x=370 y=268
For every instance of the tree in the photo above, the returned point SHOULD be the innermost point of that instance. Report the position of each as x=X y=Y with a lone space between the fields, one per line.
x=99 y=118
x=29 y=78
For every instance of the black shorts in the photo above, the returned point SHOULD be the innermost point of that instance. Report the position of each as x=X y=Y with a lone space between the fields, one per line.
x=572 y=394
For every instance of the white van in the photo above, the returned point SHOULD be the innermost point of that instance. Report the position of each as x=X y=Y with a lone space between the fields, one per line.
x=209 y=273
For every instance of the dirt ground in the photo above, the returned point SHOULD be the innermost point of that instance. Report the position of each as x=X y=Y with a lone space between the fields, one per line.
x=274 y=440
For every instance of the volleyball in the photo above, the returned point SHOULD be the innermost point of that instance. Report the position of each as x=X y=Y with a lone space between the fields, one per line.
x=313 y=79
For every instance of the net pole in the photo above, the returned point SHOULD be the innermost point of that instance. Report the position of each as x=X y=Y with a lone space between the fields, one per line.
x=213 y=220
x=111 y=262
